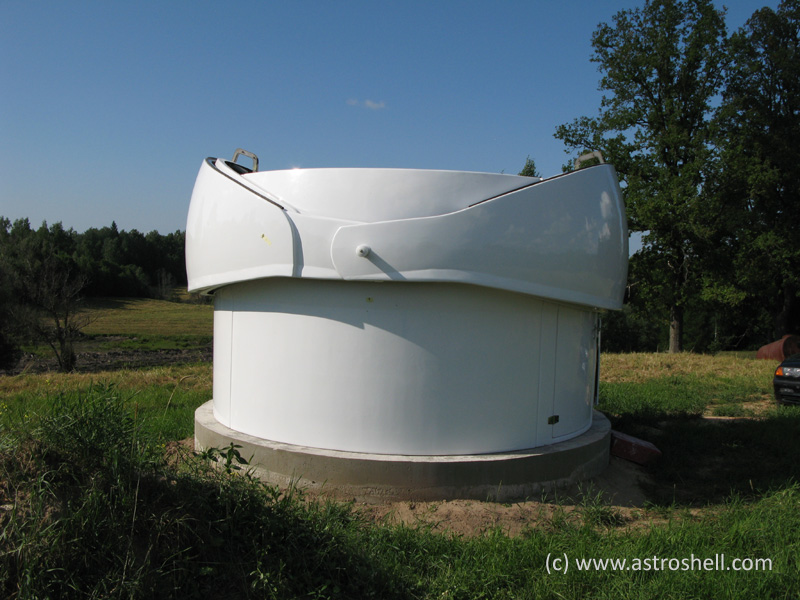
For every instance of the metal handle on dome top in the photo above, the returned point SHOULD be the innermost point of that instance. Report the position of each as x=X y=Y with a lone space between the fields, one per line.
x=240 y=151
x=588 y=156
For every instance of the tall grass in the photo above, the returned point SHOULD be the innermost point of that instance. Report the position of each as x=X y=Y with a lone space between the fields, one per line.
x=91 y=507
x=92 y=510
x=165 y=398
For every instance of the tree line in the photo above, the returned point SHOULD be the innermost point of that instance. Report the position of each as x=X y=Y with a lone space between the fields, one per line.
x=45 y=272
x=700 y=126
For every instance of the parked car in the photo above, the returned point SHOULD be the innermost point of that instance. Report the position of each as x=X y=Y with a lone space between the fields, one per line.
x=787 y=381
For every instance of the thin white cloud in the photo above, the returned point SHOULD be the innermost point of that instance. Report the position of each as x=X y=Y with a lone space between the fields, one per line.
x=370 y=104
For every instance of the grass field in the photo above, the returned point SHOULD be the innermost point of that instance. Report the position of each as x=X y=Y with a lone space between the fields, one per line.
x=144 y=324
x=98 y=501
x=136 y=325
x=148 y=317
x=686 y=385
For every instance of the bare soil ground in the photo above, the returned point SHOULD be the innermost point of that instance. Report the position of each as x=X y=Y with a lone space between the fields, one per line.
x=111 y=360
x=621 y=502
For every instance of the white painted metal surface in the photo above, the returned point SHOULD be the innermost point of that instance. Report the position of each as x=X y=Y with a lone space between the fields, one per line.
x=396 y=368
x=406 y=312
x=563 y=238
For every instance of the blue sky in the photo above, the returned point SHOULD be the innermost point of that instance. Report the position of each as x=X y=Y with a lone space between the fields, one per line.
x=107 y=109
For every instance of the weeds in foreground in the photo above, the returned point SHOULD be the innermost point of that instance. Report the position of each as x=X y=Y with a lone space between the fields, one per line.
x=229 y=457
x=596 y=512
x=90 y=508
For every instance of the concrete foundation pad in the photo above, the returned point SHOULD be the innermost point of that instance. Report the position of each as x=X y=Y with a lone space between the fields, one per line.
x=498 y=477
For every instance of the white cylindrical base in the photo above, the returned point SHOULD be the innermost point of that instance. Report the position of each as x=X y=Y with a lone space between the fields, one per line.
x=401 y=368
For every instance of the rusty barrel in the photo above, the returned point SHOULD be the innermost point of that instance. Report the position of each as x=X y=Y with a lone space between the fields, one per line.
x=780 y=349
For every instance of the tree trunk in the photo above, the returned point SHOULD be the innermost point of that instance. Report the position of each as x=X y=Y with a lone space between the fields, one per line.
x=675 y=329
x=67 y=358
x=784 y=317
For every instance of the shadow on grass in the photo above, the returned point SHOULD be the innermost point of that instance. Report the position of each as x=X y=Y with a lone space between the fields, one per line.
x=108 y=303
x=90 y=509
x=704 y=460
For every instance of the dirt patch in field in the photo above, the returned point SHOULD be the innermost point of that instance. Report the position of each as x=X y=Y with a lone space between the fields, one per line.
x=176 y=451
x=112 y=360
x=612 y=499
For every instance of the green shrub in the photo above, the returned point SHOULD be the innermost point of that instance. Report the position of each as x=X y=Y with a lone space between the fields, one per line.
x=97 y=512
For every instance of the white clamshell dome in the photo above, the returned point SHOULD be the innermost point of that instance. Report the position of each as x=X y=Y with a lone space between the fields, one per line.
x=407 y=312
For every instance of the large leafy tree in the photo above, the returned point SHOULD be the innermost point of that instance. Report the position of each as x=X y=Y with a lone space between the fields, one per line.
x=662 y=65
x=760 y=118
x=45 y=284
